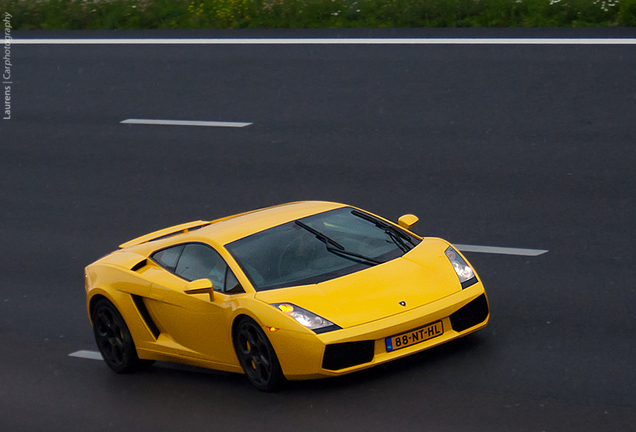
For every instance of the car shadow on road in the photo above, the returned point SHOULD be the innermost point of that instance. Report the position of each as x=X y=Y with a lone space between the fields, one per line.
x=427 y=362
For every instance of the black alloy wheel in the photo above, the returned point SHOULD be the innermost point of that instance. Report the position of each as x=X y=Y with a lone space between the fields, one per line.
x=257 y=356
x=114 y=340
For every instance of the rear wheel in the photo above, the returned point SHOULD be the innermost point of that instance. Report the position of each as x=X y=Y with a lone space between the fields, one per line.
x=257 y=356
x=114 y=340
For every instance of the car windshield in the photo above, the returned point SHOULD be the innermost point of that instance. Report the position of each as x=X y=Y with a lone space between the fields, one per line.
x=318 y=248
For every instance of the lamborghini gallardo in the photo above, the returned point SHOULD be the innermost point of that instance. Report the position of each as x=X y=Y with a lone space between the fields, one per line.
x=296 y=291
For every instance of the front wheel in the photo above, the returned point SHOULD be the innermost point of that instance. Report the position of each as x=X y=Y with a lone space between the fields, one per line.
x=114 y=340
x=257 y=356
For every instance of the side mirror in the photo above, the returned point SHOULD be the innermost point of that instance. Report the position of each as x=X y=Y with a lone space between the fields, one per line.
x=407 y=221
x=200 y=286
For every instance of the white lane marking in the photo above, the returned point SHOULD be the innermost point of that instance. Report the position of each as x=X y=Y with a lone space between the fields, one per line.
x=184 y=123
x=500 y=250
x=335 y=41
x=93 y=355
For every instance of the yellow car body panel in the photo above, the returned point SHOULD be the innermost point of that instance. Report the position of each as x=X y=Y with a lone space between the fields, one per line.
x=371 y=305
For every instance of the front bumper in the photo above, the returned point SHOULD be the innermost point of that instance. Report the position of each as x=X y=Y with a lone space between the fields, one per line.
x=306 y=356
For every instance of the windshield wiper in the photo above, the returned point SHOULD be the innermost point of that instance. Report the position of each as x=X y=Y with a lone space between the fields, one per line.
x=338 y=249
x=395 y=234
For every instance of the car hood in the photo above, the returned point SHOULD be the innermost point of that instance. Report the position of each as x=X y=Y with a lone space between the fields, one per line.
x=421 y=276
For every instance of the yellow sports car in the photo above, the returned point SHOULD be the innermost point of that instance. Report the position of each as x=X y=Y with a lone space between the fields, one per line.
x=297 y=291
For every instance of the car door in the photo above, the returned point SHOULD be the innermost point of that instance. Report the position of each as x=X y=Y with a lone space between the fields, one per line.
x=193 y=325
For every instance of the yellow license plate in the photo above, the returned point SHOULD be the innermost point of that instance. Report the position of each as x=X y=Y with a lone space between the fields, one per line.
x=414 y=336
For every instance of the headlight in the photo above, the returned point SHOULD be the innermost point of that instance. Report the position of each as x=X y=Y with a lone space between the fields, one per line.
x=464 y=271
x=308 y=319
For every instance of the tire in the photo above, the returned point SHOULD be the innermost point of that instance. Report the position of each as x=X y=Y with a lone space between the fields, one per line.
x=114 y=340
x=257 y=356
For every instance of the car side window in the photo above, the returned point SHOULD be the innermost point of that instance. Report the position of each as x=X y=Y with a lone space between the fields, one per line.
x=199 y=261
x=168 y=258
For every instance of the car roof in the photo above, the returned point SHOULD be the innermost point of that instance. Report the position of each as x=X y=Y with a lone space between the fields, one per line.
x=233 y=228
x=226 y=230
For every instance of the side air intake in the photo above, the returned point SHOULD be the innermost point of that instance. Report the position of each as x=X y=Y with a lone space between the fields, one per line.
x=145 y=315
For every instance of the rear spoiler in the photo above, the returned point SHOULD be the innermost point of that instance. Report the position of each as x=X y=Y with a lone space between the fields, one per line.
x=177 y=229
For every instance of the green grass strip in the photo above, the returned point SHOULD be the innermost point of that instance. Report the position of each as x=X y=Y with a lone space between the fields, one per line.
x=235 y=14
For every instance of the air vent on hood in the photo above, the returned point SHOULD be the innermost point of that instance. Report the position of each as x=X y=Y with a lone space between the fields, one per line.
x=141 y=264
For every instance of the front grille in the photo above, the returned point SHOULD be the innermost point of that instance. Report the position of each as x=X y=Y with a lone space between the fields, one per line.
x=470 y=314
x=347 y=354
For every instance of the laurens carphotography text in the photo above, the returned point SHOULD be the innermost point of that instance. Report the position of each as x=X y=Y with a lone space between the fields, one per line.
x=6 y=73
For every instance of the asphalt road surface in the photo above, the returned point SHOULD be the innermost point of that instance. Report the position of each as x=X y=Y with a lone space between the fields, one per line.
x=498 y=145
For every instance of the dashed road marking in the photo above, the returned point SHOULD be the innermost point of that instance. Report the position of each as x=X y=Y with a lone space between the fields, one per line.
x=184 y=123
x=500 y=250
x=93 y=355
